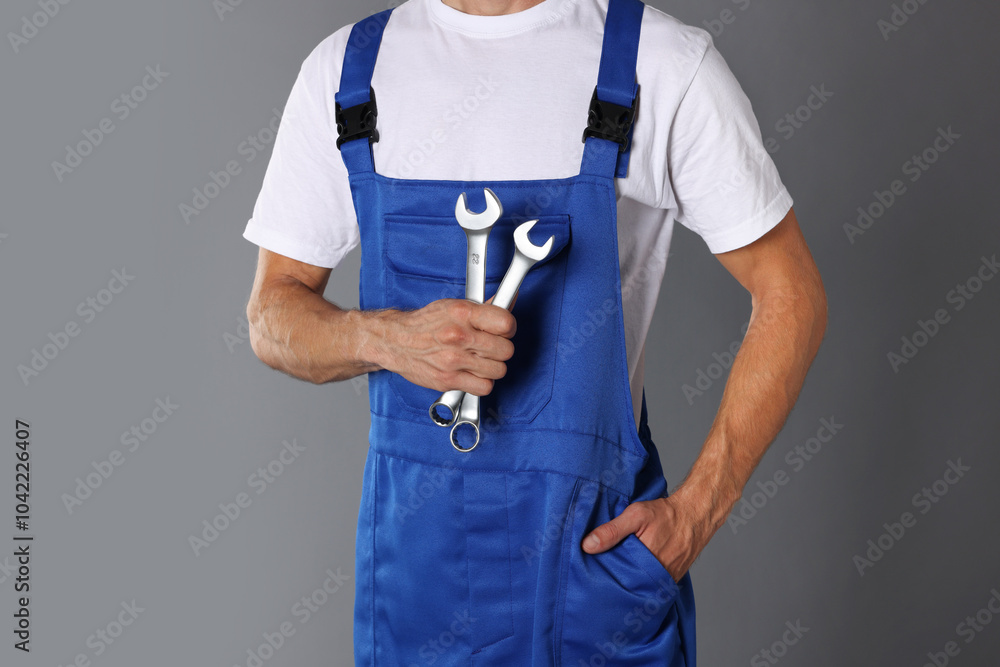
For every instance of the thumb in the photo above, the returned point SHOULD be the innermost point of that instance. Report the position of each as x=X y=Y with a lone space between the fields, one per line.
x=611 y=533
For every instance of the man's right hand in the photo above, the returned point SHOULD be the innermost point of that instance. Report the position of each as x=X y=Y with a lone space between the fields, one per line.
x=448 y=344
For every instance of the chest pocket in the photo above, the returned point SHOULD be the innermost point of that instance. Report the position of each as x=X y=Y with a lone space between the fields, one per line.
x=425 y=260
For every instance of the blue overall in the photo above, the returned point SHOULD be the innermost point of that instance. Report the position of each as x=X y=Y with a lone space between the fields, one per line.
x=475 y=558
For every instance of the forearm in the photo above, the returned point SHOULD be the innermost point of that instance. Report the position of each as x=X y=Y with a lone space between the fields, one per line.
x=295 y=330
x=786 y=328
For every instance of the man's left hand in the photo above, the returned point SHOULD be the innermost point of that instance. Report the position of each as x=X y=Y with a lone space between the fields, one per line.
x=786 y=326
x=675 y=529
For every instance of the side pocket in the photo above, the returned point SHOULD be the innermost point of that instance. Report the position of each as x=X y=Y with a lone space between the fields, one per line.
x=425 y=260
x=618 y=606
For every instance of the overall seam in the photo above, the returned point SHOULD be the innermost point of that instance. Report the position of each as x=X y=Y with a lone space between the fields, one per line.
x=569 y=181
x=577 y=478
x=564 y=576
x=373 y=560
x=643 y=456
x=510 y=574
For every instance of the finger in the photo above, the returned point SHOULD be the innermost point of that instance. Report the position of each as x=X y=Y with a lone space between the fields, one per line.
x=611 y=533
x=482 y=354
x=494 y=320
x=473 y=384
x=489 y=346
x=488 y=369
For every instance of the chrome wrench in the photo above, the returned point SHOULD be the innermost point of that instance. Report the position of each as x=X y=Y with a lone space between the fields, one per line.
x=526 y=255
x=477 y=227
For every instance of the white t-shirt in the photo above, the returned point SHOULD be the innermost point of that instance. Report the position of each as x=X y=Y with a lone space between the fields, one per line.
x=465 y=97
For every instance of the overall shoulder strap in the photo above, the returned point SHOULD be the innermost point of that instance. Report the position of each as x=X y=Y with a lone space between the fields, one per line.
x=357 y=111
x=608 y=136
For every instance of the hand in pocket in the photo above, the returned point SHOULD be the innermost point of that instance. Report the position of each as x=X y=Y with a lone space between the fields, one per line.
x=673 y=530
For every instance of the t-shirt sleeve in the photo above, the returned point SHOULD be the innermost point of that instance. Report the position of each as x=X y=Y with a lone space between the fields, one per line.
x=723 y=180
x=304 y=209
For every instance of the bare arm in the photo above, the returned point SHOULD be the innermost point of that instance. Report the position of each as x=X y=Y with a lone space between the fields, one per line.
x=786 y=328
x=449 y=344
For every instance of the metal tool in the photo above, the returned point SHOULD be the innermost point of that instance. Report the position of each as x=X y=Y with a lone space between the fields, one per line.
x=477 y=227
x=526 y=255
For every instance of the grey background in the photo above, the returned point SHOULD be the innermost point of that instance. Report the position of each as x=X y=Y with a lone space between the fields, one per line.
x=176 y=331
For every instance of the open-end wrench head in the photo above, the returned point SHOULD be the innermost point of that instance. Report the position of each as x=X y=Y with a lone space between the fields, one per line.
x=526 y=247
x=478 y=221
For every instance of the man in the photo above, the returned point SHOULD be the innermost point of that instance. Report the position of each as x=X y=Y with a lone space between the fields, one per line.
x=552 y=540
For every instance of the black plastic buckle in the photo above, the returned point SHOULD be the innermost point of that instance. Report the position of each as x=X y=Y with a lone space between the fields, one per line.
x=610 y=121
x=357 y=122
